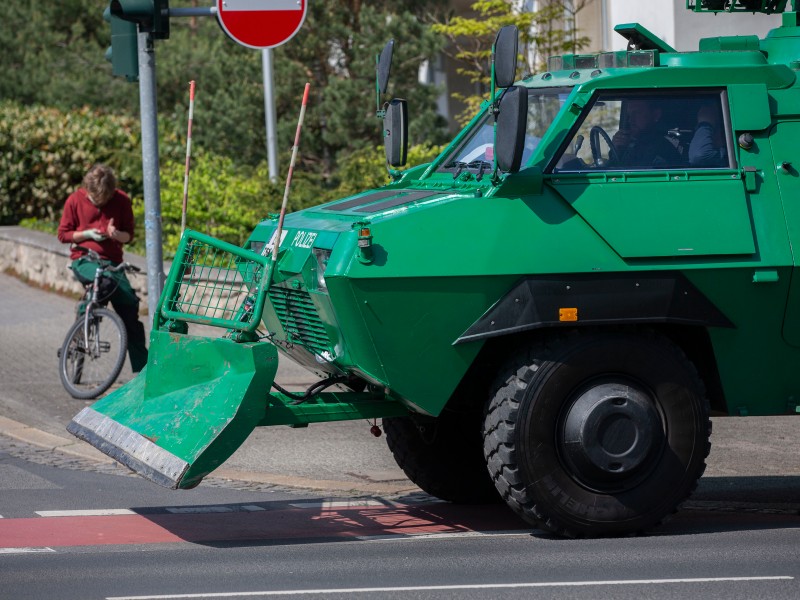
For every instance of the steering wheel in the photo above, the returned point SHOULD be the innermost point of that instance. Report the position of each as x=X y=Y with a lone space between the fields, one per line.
x=595 y=133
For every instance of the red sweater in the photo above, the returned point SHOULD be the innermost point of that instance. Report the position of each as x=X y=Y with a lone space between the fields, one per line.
x=80 y=214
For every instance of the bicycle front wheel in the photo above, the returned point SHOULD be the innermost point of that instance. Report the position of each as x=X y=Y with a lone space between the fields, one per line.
x=92 y=357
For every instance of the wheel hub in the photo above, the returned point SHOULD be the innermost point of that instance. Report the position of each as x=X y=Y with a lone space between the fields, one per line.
x=611 y=432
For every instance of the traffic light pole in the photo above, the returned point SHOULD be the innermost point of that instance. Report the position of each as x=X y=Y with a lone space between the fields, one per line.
x=150 y=168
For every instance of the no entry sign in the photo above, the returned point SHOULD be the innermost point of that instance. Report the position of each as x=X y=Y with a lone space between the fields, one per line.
x=261 y=23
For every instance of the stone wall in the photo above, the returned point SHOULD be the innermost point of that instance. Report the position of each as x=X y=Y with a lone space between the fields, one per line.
x=40 y=259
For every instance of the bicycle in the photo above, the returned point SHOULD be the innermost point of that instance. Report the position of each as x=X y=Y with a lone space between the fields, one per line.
x=93 y=352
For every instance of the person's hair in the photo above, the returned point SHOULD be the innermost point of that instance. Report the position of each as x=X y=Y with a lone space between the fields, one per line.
x=100 y=182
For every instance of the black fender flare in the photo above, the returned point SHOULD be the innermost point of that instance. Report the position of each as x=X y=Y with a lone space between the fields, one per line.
x=540 y=301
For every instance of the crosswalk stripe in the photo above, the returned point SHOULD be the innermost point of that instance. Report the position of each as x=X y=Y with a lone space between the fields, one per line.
x=91 y=512
x=327 y=504
x=24 y=550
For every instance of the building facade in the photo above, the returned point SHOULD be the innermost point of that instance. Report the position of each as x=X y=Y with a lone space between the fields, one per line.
x=668 y=19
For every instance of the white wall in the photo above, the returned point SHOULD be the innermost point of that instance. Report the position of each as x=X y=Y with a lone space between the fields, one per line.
x=655 y=15
x=691 y=26
x=679 y=27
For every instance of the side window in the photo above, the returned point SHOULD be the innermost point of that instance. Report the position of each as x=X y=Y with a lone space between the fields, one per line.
x=650 y=130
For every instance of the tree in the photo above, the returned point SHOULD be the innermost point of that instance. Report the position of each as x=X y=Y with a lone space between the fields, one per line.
x=549 y=30
x=336 y=51
x=54 y=55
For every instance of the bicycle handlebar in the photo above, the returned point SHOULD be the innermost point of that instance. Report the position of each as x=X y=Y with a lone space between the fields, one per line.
x=96 y=257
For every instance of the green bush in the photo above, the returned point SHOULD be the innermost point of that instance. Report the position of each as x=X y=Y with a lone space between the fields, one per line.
x=226 y=200
x=366 y=168
x=44 y=154
x=223 y=201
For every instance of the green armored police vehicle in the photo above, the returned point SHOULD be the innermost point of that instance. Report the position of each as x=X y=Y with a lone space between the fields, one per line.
x=548 y=313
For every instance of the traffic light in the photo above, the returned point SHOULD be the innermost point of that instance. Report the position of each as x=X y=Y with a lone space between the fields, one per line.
x=124 y=51
x=151 y=16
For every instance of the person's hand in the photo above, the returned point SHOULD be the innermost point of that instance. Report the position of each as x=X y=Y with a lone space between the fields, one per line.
x=92 y=234
x=622 y=138
x=117 y=235
x=112 y=230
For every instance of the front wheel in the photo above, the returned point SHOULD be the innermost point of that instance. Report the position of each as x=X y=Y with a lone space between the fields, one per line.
x=597 y=434
x=442 y=456
x=91 y=358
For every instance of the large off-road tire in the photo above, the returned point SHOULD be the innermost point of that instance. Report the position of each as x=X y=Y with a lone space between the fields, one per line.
x=443 y=456
x=597 y=434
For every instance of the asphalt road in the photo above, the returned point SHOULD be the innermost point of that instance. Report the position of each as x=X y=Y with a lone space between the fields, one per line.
x=72 y=533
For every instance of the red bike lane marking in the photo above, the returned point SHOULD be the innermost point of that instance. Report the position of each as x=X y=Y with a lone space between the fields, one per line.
x=267 y=525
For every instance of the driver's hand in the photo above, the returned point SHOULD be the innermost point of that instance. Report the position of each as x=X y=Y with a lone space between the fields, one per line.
x=622 y=138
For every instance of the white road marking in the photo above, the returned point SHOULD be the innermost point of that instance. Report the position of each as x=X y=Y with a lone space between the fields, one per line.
x=487 y=586
x=24 y=550
x=212 y=509
x=105 y=512
x=91 y=512
x=325 y=504
x=438 y=536
x=192 y=510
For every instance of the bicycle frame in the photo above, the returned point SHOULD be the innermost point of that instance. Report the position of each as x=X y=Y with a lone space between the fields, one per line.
x=87 y=311
x=93 y=301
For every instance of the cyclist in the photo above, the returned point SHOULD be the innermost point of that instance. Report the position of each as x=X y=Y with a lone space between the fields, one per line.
x=99 y=216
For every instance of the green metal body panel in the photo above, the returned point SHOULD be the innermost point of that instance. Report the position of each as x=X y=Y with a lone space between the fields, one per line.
x=328 y=407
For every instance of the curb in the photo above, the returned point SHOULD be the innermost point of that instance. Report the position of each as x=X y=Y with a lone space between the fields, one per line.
x=37 y=437
x=75 y=448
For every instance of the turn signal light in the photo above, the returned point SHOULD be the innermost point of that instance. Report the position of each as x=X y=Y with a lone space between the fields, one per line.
x=364 y=237
x=567 y=314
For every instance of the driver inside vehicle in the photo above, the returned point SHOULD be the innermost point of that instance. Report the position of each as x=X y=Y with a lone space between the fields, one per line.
x=641 y=139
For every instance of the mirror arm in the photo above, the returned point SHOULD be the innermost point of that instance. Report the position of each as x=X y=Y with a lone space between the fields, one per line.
x=394 y=173
x=378 y=112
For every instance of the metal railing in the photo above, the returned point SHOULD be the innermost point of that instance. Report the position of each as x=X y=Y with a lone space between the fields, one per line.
x=215 y=283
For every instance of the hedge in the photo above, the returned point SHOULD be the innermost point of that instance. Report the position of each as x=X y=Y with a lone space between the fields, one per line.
x=44 y=154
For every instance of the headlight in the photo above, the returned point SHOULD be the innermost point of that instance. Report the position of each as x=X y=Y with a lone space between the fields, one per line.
x=256 y=247
x=322 y=255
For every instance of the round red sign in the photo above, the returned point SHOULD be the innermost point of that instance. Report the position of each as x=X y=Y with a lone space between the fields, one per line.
x=261 y=23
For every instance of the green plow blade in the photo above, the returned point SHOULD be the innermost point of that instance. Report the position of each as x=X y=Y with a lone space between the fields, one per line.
x=187 y=411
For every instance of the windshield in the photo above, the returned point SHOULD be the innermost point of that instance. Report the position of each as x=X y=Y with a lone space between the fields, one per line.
x=476 y=152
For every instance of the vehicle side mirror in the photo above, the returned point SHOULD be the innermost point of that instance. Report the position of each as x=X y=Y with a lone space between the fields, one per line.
x=395 y=132
x=385 y=66
x=511 y=125
x=505 y=56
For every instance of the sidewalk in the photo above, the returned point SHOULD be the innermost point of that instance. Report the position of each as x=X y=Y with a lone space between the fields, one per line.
x=34 y=408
